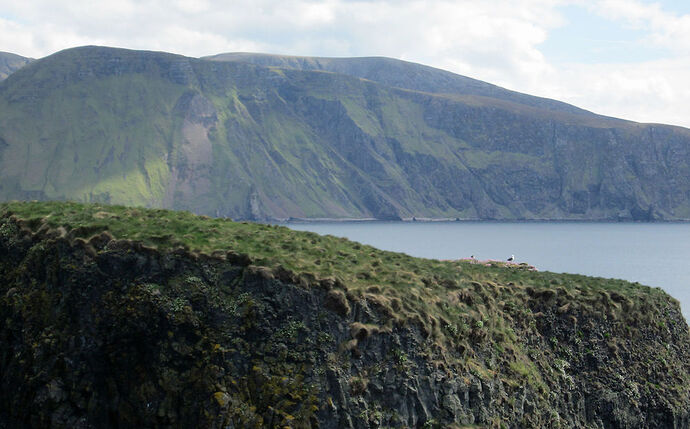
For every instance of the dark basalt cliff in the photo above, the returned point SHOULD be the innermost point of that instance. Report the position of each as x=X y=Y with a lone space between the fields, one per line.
x=109 y=333
x=318 y=138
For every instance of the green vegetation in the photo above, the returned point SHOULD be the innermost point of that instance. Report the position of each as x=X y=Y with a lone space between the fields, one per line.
x=447 y=299
x=362 y=268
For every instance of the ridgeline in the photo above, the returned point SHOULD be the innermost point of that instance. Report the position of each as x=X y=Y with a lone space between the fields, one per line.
x=10 y=63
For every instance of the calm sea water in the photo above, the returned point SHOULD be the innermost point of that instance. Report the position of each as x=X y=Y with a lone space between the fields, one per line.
x=656 y=254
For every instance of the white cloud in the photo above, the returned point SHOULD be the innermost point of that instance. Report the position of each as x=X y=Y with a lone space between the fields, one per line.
x=654 y=91
x=496 y=41
x=411 y=28
x=666 y=29
x=647 y=91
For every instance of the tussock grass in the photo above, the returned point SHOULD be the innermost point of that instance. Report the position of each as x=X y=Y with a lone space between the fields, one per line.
x=448 y=290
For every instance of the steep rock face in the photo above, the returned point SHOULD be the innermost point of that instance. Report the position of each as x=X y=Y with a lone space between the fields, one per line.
x=229 y=138
x=108 y=333
x=191 y=163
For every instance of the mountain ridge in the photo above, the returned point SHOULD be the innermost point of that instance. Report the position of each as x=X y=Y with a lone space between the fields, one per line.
x=397 y=73
x=9 y=63
x=233 y=138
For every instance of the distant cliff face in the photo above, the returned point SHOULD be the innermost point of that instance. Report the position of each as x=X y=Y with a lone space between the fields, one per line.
x=104 y=333
x=9 y=63
x=349 y=138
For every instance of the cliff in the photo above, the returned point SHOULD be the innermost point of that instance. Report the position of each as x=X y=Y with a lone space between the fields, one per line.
x=108 y=322
x=349 y=138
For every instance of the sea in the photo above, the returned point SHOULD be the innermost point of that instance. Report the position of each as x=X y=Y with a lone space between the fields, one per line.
x=654 y=254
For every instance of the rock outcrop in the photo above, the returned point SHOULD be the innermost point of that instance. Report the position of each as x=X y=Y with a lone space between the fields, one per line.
x=104 y=332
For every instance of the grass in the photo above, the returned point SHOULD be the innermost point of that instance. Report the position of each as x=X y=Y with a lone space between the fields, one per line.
x=413 y=288
x=357 y=265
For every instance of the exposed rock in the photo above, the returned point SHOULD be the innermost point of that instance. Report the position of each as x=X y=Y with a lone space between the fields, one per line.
x=126 y=336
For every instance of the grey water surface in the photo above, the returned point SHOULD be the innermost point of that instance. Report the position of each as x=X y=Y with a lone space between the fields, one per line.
x=654 y=254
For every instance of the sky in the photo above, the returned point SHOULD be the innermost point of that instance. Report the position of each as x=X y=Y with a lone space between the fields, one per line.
x=622 y=58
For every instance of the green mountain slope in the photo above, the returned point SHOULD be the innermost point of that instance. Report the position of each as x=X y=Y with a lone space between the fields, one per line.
x=127 y=317
x=400 y=74
x=230 y=138
x=9 y=63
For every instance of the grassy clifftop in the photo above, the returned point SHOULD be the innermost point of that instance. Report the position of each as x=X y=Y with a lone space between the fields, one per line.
x=296 y=329
x=420 y=282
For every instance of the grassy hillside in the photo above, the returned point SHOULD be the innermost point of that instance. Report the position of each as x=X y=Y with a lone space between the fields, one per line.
x=265 y=326
x=229 y=138
x=400 y=74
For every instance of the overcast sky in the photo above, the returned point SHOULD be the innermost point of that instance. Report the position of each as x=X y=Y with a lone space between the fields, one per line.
x=624 y=58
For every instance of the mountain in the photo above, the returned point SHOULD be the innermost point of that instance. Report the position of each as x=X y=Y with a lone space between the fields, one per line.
x=127 y=317
x=353 y=138
x=9 y=63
